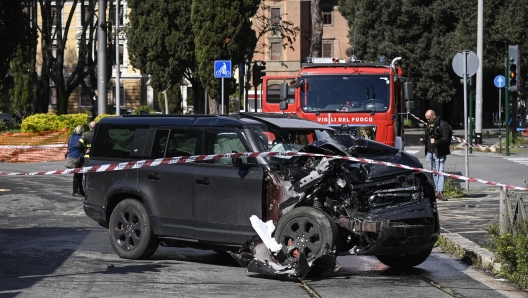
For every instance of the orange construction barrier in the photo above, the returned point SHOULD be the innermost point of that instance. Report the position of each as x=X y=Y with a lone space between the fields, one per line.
x=34 y=146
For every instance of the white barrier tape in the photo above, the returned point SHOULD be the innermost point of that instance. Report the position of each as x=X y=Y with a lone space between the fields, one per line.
x=465 y=142
x=195 y=158
x=34 y=147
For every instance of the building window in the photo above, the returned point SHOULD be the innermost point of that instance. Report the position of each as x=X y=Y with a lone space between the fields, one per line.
x=275 y=16
x=87 y=13
x=328 y=50
x=85 y=99
x=54 y=51
x=121 y=50
x=121 y=96
x=328 y=19
x=54 y=15
x=52 y=96
x=121 y=16
x=276 y=51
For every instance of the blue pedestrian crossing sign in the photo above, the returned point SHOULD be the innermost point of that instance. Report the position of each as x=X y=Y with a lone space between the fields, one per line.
x=222 y=69
x=499 y=81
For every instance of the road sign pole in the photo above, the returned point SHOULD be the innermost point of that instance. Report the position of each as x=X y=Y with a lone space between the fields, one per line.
x=471 y=114
x=500 y=82
x=507 y=106
x=465 y=53
x=222 y=70
x=500 y=123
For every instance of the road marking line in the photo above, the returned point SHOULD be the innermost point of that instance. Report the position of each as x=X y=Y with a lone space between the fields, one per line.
x=519 y=160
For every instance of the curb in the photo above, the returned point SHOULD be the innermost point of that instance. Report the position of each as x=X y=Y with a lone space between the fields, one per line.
x=485 y=257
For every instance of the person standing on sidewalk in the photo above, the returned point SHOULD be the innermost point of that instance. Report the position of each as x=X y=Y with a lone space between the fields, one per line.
x=85 y=143
x=437 y=139
x=74 y=152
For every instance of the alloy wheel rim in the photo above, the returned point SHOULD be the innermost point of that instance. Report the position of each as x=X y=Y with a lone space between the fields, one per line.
x=127 y=229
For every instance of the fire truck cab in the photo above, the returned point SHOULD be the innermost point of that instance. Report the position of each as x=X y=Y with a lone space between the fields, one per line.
x=364 y=99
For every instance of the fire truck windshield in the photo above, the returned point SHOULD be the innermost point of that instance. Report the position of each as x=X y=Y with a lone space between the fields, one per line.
x=344 y=93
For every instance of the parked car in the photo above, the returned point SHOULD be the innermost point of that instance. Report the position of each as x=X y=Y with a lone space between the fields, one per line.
x=7 y=121
x=321 y=204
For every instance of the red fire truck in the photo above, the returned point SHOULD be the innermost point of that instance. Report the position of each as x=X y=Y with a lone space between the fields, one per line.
x=366 y=99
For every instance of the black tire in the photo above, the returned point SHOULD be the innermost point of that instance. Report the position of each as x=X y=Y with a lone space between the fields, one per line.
x=406 y=261
x=309 y=230
x=130 y=230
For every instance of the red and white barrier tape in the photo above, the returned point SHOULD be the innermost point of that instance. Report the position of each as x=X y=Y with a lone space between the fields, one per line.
x=465 y=142
x=195 y=158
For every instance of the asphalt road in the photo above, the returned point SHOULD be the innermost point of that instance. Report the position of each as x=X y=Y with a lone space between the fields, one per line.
x=49 y=248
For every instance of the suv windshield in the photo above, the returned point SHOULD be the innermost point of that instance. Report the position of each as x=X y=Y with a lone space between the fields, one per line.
x=274 y=139
x=345 y=93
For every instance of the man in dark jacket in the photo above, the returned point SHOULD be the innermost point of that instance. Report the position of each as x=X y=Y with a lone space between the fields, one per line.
x=85 y=143
x=437 y=139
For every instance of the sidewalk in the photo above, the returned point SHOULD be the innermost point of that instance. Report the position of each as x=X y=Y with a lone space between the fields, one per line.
x=465 y=222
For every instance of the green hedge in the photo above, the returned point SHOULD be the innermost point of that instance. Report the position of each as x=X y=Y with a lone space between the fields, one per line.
x=47 y=122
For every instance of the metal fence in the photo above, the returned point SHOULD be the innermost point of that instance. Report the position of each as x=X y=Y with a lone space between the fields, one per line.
x=512 y=209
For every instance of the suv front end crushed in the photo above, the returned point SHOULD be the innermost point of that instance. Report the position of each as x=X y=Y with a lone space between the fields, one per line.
x=376 y=209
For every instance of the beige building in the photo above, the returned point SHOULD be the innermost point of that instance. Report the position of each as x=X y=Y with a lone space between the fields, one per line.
x=280 y=61
x=134 y=88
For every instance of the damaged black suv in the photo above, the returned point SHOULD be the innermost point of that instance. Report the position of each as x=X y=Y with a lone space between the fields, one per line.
x=320 y=202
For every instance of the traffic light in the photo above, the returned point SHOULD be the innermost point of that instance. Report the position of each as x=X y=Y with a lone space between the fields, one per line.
x=262 y=70
x=514 y=68
x=258 y=73
x=513 y=77
x=255 y=74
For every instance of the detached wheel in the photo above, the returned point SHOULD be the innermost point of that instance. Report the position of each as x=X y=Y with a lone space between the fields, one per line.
x=406 y=261
x=306 y=230
x=130 y=230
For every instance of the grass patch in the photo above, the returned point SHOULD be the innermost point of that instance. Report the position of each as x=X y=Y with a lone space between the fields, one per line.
x=468 y=257
x=518 y=141
x=452 y=187
x=511 y=249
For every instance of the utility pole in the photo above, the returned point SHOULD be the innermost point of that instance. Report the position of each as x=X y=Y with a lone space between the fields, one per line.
x=118 y=68
x=480 y=55
x=102 y=98
x=33 y=25
x=470 y=114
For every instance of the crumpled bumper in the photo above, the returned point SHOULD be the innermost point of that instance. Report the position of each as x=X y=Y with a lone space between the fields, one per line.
x=262 y=255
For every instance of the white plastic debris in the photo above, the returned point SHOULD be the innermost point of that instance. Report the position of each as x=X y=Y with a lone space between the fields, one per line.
x=264 y=230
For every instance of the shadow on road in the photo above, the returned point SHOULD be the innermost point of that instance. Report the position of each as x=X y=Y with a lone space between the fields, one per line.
x=28 y=255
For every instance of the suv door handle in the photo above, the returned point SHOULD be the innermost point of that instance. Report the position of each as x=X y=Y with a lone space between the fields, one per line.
x=155 y=176
x=203 y=181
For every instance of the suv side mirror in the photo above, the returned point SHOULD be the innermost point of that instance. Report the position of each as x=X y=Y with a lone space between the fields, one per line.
x=283 y=96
